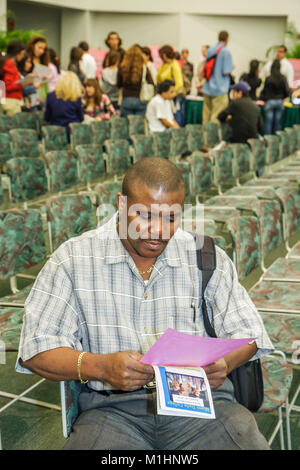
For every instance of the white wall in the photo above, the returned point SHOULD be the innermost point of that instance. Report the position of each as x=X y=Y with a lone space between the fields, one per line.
x=31 y=16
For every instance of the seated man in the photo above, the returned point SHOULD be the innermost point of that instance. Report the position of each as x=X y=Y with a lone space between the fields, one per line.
x=159 y=112
x=104 y=298
x=242 y=115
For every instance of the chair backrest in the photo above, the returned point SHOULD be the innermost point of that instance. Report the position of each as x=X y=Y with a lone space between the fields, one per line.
x=223 y=166
x=201 y=178
x=62 y=167
x=136 y=124
x=25 y=120
x=240 y=160
x=143 y=146
x=5 y=150
x=161 y=144
x=185 y=170
x=290 y=200
x=27 y=178
x=292 y=139
x=119 y=128
x=178 y=143
x=24 y=143
x=212 y=137
x=118 y=157
x=261 y=192
x=195 y=137
x=80 y=134
x=297 y=129
x=22 y=242
x=1 y=192
x=258 y=154
x=272 y=149
x=69 y=215
x=100 y=131
x=11 y=322
x=245 y=232
x=107 y=203
x=54 y=138
x=91 y=162
x=283 y=144
x=69 y=394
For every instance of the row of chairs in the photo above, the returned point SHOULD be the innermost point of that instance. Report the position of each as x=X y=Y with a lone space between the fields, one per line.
x=60 y=169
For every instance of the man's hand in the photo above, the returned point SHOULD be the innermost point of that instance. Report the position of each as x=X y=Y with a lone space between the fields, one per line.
x=124 y=371
x=216 y=373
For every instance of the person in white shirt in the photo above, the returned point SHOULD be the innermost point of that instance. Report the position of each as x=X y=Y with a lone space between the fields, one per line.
x=286 y=67
x=159 y=110
x=88 y=64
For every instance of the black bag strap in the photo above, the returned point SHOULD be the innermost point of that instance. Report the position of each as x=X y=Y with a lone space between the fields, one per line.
x=206 y=262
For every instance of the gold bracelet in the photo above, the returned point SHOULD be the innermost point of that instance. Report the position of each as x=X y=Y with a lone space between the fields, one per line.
x=78 y=368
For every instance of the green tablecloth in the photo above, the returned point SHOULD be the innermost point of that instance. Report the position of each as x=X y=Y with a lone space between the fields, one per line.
x=193 y=110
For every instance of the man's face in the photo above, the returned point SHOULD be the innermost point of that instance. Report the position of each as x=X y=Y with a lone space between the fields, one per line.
x=185 y=54
x=152 y=216
x=237 y=94
x=170 y=94
x=113 y=41
x=280 y=53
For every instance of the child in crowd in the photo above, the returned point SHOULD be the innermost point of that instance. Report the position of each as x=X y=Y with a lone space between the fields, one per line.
x=159 y=111
x=96 y=104
x=31 y=95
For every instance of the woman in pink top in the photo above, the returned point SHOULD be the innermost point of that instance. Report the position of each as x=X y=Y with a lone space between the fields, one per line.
x=96 y=103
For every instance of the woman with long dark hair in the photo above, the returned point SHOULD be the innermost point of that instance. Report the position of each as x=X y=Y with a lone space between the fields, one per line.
x=170 y=68
x=37 y=48
x=130 y=77
x=10 y=75
x=252 y=78
x=96 y=104
x=275 y=90
x=76 y=54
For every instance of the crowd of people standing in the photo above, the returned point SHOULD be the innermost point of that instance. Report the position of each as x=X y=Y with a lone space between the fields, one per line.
x=130 y=83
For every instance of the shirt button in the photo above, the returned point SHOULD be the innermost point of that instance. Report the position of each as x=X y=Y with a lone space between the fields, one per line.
x=145 y=296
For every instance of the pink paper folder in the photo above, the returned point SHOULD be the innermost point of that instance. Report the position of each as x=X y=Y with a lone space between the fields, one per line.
x=180 y=349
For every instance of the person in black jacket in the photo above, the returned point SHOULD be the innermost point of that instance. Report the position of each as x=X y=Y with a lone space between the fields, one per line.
x=252 y=78
x=275 y=90
x=242 y=115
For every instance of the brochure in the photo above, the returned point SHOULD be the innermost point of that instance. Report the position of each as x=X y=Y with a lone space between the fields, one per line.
x=183 y=392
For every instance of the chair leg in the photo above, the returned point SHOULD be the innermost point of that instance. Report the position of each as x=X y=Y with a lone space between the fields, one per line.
x=281 y=428
x=288 y=427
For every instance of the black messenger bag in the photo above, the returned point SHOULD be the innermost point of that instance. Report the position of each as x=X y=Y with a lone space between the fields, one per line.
x=247 y=379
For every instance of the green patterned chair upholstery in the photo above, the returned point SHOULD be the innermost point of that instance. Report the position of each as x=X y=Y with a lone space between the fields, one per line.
x=295 y=251
x=69 y=394
x=185 y=170
x=1 y=192
x=292 y=139
x=54 y=138
x=222 y=167
x=5 y=150
x=27 y=178
x=297 y=129
x=100 y=132
x=119 y=128
x=195 y=137
x=106 y=195
x=62 y=169
x=80 y=134
x=161 y=144
x=3 y=124
x=283 y=144
x=69 y=215
x=201 y=178
x=272 y=149
x=117 y=155
x=22 y=246
x=24 y=143
x=11 y=321
x=240 y=160
x=142 y=146
x=258 y=154
x=277 y=377
x=178 y=143
x=91 y=163
x=212 y=137
x=26 y=120
x=136 y=124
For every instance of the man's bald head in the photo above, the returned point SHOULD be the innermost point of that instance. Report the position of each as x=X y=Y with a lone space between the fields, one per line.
x=155 y=173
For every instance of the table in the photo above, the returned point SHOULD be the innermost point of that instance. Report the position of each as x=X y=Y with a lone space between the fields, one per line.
x=193 y=111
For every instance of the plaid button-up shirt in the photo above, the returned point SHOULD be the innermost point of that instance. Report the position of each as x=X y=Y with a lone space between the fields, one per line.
x=90 y=297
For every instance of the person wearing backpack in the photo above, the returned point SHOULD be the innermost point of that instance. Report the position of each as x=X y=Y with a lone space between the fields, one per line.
x=140 y=278
x=216 y=71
